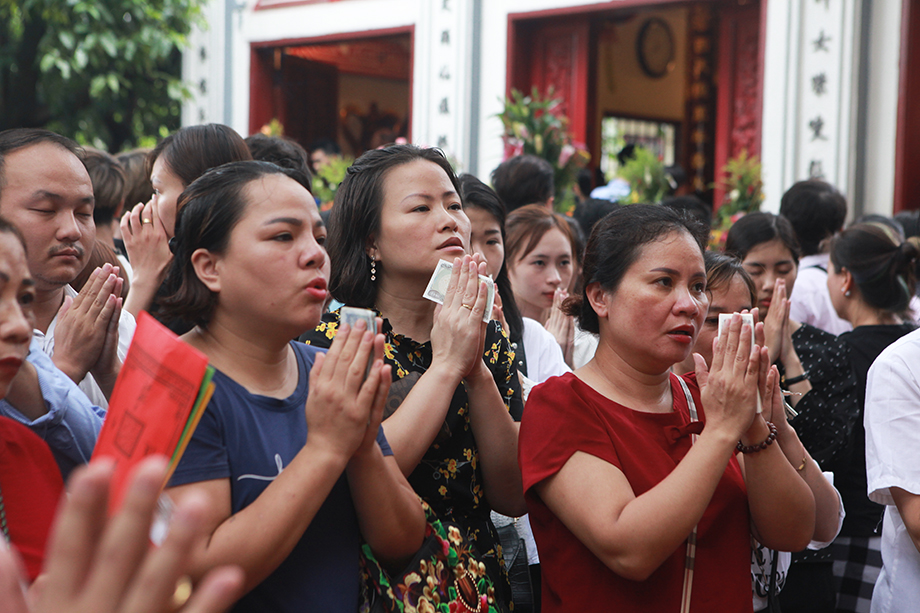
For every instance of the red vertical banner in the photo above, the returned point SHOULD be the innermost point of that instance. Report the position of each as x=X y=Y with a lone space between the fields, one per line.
x=739 y=110
x=558 y=56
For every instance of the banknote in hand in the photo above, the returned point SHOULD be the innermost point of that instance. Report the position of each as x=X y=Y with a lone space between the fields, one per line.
x=437 y=287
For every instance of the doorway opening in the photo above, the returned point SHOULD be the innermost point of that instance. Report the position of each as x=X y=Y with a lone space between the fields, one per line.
x=353 y=89
x=683 y=77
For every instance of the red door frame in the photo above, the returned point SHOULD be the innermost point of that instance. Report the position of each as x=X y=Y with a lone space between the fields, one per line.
x=907 y=137
x=725 y=149
x=262 y=69
x=581 y=119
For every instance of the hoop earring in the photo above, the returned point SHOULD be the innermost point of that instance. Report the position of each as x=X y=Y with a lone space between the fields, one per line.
x=373 y=269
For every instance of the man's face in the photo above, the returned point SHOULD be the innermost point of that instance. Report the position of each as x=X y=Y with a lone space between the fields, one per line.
x=48 y=195
x=319 y=159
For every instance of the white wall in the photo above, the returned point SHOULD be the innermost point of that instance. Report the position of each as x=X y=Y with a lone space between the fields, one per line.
x=863 y=168
x=881 y=112
x=789 y=102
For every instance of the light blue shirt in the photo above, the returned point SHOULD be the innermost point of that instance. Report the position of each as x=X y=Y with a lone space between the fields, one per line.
x=72 y=423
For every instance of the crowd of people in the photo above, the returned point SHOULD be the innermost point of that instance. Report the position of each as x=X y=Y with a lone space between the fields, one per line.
x=659 y=426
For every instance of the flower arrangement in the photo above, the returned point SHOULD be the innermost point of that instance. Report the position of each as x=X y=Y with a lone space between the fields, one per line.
x=533 y=125
x=646 y=177
x=327 y=180
x=743 y=186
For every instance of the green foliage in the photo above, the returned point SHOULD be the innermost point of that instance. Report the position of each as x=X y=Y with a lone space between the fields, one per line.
x=646 y=176
x=327 y=180
x=106 y=72
x=533 y=125
x=743 y=188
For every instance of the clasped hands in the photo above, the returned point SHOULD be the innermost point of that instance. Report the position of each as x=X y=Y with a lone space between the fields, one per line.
x=458 y=333
x=86 y=333
x=739 y=371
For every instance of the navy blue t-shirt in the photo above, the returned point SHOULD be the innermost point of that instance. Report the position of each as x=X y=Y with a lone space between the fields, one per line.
x=250 y=439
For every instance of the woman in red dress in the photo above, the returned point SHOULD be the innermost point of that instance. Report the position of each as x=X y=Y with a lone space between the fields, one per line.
x=615 y=479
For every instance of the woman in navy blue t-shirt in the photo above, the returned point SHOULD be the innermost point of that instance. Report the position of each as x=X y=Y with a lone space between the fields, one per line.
x=289 y=451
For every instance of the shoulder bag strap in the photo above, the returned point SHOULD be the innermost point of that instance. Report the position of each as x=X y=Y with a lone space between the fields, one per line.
x=691 y=540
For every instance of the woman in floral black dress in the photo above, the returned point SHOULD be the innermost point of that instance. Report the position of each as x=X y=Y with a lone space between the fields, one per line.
x=455 y=400
x=816 y=370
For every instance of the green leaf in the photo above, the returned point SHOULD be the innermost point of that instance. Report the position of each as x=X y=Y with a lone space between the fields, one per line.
x=97 y=85
x=46 y=63
x=108 y=43
x=67 y=40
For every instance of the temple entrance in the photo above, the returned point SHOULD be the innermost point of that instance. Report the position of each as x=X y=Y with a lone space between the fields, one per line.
x=648 y=75
x=354 y=91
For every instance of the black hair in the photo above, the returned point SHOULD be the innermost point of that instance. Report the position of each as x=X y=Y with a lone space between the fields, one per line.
x=757 y=228
x=280 y=150
x=910 y=221
x=477 y=194
x=522 y=180
x=20 y=138
x=209 y=209
x=355 y=217
x=137 y=181
x=584 y=179
x=578 y=250
x=816 y=210
x=891 y=222
x=883 y=265
x=193 y=150
x=325 y=144
x=721 y=268
x=591 y=211
x=108 y=179
x=614 y=246
x=9 y=228
x=693 y=205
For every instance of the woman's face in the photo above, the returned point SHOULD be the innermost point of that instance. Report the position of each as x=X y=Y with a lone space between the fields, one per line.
x=167 y=187
x=653 y=318
x=537 y=275
x=732 y=297
x=271 y=273
x=421 y=222
x=766 y=263
x=17 y=292
x=486 y=238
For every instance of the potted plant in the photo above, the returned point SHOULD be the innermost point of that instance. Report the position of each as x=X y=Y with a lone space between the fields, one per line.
x=533 y=125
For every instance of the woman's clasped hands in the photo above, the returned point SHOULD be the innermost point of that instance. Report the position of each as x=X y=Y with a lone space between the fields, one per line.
x=731 y=384
x=777 y=330
x=458 y=332
x=561 y=326
x=344 y=409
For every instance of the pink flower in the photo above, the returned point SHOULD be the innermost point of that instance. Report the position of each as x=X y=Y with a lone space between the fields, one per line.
x=565 y=155
x=513 y=148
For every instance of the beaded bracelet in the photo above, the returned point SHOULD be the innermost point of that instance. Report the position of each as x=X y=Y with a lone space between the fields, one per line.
x=759 y=446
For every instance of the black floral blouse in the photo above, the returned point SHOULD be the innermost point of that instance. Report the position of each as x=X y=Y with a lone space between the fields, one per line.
x=449 y=478
x=826 y=413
